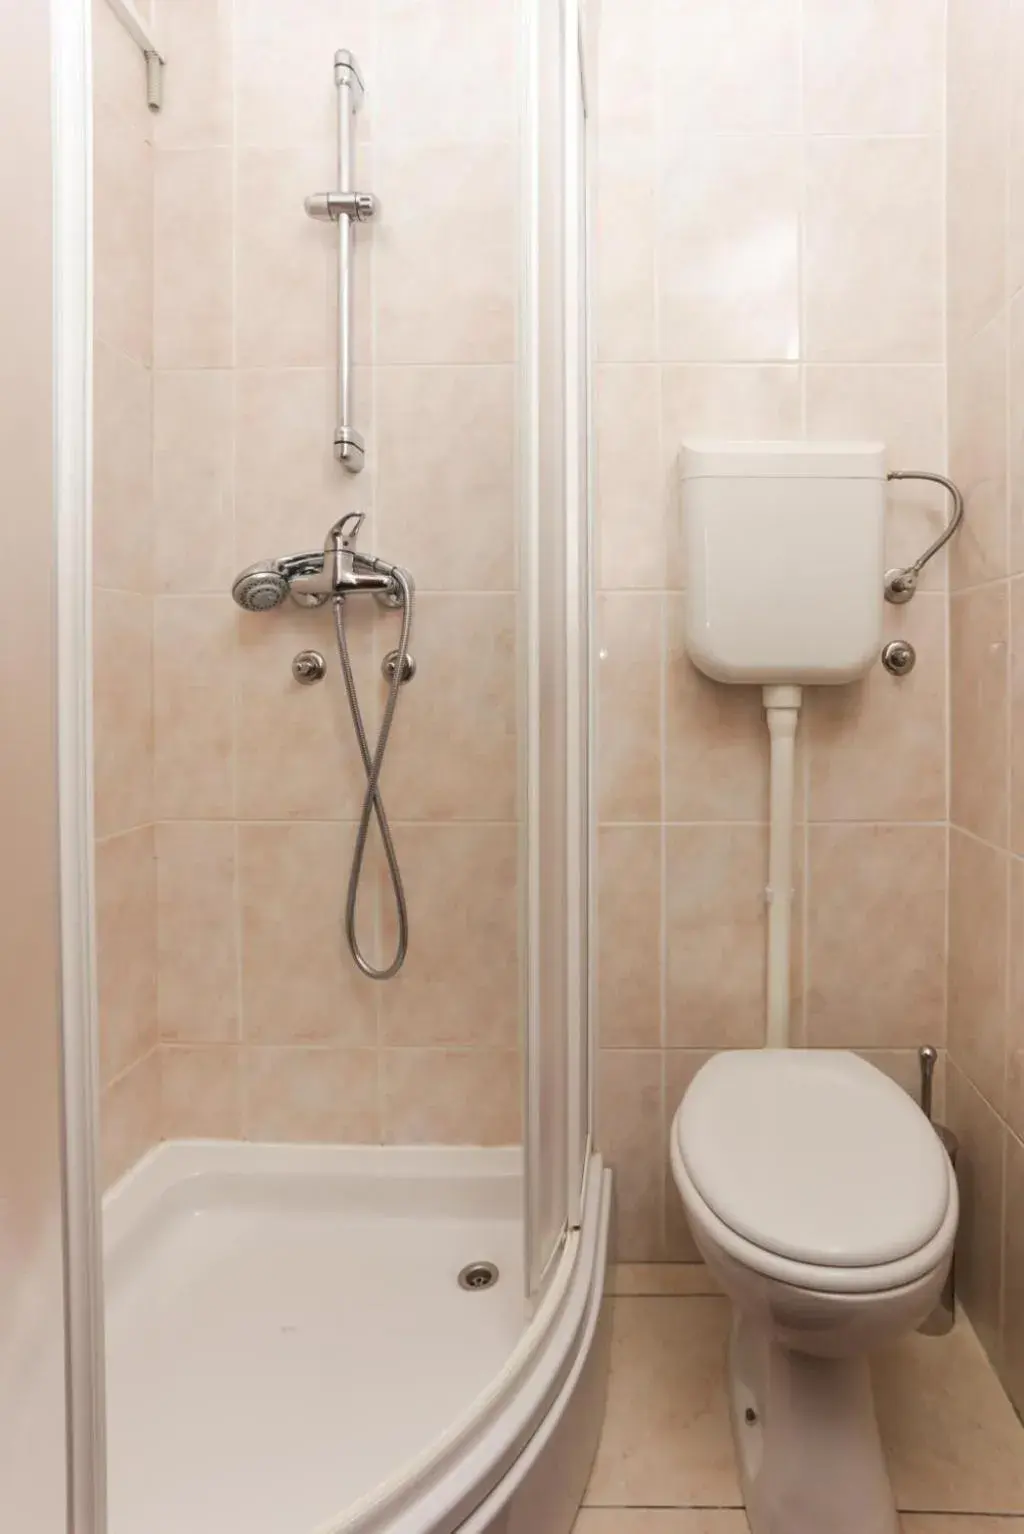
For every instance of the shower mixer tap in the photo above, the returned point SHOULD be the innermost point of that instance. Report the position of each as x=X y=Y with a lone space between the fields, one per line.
x=344 y=570
x=337 y=570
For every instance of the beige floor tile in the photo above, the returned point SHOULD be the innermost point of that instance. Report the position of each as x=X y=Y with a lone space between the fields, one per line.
x=957 y=1523
x=661 y=1520
x=953 y=1440
x=660 y=1278
x=666 y=1439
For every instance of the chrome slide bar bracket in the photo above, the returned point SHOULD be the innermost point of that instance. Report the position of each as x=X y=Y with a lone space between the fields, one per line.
x=346 y=208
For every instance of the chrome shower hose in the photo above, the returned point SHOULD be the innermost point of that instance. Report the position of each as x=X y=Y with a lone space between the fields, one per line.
x=373 y=804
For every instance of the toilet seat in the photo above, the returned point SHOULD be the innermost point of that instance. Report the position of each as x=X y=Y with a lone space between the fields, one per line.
x=812 y=1167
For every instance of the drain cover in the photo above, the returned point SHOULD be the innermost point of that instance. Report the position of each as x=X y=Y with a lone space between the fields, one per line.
x=478 y=1275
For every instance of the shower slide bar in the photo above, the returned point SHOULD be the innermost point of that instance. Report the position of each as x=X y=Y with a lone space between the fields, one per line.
x=141 y=36
x=345 y=207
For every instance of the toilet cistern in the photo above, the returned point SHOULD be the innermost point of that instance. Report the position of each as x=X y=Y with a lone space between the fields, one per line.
x=785 y=559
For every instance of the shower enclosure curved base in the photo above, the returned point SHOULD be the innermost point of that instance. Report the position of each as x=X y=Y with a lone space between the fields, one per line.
x=289 y=1349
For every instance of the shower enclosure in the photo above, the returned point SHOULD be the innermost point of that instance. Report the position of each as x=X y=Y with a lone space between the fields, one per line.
x=335 y=1222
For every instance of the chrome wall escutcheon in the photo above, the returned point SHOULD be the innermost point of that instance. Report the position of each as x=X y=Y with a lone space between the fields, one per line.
x=390 y=661
x=308 y=667
x=899 y=657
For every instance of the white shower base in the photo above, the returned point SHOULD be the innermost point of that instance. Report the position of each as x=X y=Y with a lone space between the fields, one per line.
x=288 y=1350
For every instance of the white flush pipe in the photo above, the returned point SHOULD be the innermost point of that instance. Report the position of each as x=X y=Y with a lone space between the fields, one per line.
x=782 y=708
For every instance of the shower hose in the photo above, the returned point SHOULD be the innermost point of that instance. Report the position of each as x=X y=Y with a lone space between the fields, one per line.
x=373 y=804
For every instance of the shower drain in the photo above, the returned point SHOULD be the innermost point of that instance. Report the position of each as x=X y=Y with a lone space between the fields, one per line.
x=478 y=1275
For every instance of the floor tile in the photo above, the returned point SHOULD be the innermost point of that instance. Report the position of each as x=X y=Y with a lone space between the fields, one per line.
x=953 y=1440
x=661 y=1520
x=666 y=1439
x=959 y=1523
x=657 y=1278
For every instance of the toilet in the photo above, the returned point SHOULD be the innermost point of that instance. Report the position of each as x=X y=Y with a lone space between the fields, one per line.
x=817 y=1191
x=822 y=1200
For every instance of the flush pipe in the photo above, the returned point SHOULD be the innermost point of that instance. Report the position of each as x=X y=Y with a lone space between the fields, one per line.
x=782 y=709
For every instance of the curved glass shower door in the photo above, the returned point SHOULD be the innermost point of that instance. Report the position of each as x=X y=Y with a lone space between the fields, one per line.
x=556 y=586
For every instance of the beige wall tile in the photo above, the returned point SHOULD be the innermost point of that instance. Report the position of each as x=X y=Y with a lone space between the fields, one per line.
x=193 y=282
x=980 y=1177
x=728 y=249
x=874 y=66
x=327 y=1096
x=414 y=51
x=630 y=487
x=123 y=704
x=446 y=475
x=464 y=698
x=627 y=67
x=625 y=243
x=730 y=68
x=122 y=471
x=324 y=780
x=1015 y=1002
x=979 y=683
x=193 y=481
x=283 y=251
x=902 y=721
x=198 y=37
x=1011 y=1348
x=289 y=488
x=904 y=1067
x=1015 y=189
x=459 y=984
x=471 y=313
x=878 y=890
x=904 y=406
x=977 y=134
x=450 y=1096
x=681 y=1066
x=285 y=93
x=629 y=703
x=629 y=936
x=716 y=741
x=299 y=984
x=118 y=70
x=130 y=1118
x=1015 y=409
x=194 y=687
x=126 y=915
x=978 y=893
x=201 y=1091
x=874 y=270
x=978 y=454
x=660 y=1278
x=631 y=1134
x=123 y=235
x=1016 y=593
x=715 y=919
x=197 y=978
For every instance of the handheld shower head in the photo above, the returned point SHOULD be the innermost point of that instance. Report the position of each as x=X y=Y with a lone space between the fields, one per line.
x=260 y=587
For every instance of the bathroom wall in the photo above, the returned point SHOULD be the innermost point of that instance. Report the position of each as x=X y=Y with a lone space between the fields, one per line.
x=986 y=402
x=265 y=1029
x=126 y=895
x=769 y=263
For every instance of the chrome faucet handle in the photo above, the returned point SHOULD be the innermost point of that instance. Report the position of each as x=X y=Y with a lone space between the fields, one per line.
x=345 y=532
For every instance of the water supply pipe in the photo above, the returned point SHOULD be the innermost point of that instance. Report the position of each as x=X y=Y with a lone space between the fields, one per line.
x=782 y=709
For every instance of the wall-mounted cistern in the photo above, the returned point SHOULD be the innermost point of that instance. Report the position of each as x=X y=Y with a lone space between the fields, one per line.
x=346 y=207
x=335 y=574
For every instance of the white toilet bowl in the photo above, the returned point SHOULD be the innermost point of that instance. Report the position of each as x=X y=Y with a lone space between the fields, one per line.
x=823 y=1201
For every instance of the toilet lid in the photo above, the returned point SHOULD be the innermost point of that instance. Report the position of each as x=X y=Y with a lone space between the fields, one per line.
x=813 y=1155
